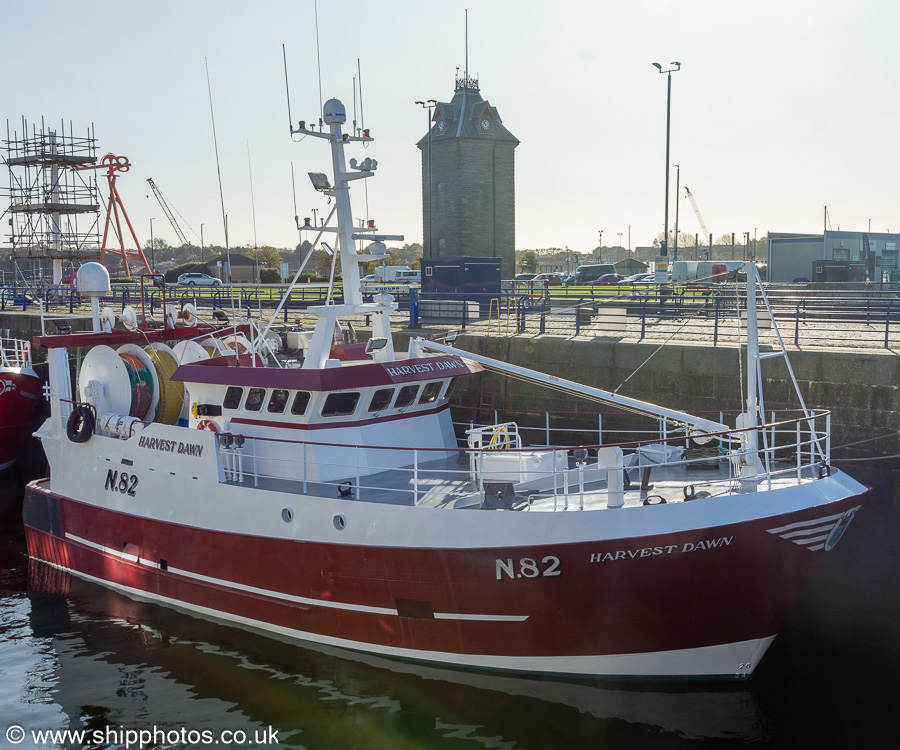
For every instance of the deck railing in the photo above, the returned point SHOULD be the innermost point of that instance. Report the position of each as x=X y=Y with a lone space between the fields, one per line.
x=496 y=470
x=14 y=353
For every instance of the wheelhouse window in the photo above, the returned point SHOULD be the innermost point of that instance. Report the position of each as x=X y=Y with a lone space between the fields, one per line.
x=255 y=398
x=340 y=404
x=430 y=392
x=406 y=396
x=277 y=401
x=381 y=399
x=233 y=397
x=301 y=401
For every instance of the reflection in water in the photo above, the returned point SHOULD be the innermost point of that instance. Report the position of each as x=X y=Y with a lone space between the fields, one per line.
x=112 y=661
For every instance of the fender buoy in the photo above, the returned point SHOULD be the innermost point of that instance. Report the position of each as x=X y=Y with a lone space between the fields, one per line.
x=208 y=424
x=80 y=426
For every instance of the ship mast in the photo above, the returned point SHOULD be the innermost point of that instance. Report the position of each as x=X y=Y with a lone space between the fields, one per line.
x=752 y=414
x=334 y=116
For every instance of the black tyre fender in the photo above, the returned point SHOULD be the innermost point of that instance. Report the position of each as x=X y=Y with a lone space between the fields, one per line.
x=80 y=426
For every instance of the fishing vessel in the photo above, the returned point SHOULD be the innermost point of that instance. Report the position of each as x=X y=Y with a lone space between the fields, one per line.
x=20 y=389
x=318 y=488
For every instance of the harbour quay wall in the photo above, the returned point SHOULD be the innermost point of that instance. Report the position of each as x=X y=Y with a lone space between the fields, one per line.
x=860 y=387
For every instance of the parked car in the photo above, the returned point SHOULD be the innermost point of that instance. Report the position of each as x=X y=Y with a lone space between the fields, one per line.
x=525 y=276
x=552 y=279
x=197 y=279
x=640 y=278
x=369 y=279
x=607 y=278
x=590 y=272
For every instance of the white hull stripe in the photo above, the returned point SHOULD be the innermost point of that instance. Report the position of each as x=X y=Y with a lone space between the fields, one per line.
x=812 y=539
x=288 y=597
x=811 y=535
x=804 y=524
x=737 y=659
x=802 y=532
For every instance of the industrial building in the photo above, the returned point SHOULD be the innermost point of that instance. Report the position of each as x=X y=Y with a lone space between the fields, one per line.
x=844 y=256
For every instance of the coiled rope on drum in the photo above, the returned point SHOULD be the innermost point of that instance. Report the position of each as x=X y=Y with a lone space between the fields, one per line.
x=171 y=393
x=141 y=382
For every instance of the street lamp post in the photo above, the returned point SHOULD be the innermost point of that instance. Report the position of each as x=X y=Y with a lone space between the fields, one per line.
x=629 y=238
x=600 y=258
x=620 y=238
x=201 y=244
x=152 y=251
x=677 y=203
x=665 y=242
x=429 y=104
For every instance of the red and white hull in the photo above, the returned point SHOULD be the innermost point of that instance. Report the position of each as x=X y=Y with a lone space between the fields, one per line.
x=702 y=594
x=20 y=389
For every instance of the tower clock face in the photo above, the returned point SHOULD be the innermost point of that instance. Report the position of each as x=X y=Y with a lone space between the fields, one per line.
x=485 y=124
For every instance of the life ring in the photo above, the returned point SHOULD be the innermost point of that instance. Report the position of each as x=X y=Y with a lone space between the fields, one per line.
x=208 y=424
x=80 y=425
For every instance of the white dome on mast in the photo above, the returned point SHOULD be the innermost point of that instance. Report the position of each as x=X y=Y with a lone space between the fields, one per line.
x=333 y=112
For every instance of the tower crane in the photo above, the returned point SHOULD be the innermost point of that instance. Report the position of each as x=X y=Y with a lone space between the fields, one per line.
x=168 y=212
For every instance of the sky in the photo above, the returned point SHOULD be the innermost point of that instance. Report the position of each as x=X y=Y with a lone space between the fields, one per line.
x=779 y=109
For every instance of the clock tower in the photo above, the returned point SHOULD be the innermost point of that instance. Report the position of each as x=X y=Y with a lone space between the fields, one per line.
x=468 y=180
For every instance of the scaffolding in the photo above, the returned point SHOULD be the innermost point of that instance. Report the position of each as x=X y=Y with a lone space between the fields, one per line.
x=53 y=207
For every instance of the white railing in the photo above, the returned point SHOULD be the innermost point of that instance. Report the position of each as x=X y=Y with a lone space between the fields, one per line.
x=497 y=471
x=14 y=353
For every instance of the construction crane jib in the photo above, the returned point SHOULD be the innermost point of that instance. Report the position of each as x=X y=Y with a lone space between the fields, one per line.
x=697 y=211
x=168 y=212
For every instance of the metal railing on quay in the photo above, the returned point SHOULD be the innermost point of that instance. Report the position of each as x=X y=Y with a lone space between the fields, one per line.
x=703 y=313
x=709 y=314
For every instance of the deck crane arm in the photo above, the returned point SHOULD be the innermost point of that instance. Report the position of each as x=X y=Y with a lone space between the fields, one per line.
x=168 y=212
x=697 y=212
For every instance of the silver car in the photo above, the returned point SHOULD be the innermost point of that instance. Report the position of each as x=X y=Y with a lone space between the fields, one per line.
x=197 y=279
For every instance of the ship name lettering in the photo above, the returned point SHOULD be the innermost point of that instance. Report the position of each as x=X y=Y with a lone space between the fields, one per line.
x=668 y=549
x=423 y=367
x=170 y=446
x=707 y=544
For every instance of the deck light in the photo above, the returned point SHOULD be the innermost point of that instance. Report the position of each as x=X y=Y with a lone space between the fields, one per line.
x=319 y=181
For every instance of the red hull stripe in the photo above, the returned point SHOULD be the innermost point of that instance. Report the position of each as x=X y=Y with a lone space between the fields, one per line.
x=277 y=595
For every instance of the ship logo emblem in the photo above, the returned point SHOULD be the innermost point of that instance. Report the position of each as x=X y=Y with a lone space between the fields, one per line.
x=7 y=386
x=821 y=533
x=839 y=529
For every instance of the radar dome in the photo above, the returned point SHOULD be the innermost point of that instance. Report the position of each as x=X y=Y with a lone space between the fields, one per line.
x=333 y=113
x=93 y=280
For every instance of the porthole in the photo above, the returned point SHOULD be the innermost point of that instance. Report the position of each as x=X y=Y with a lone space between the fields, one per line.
x=287 y=515
x=340 y=522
